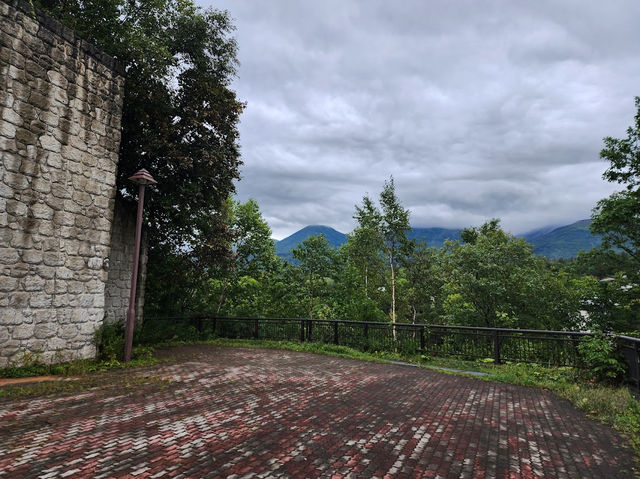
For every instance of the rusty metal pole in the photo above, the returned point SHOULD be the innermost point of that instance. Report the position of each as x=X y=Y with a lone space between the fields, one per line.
x=143 y=178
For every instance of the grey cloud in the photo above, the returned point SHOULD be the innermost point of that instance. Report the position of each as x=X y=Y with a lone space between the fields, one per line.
x=478 y=109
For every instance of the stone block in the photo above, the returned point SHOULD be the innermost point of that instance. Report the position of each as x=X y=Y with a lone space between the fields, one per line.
x=50 y=143
x=16 y=181
x=23 y=331
x=75 y=263
x=53 y=258
x=57 y=79
x=11 y=162
x=40 y=300
x=9 y=115
x=21 y=240
x=43 y=331
x=33 y=283
x=9 y=256
x=82 y=198
x=18 y=300
x=32 y=256
x=29 y=168
x=75 y=287
x=68 y=331
x=42 y=211
x=63 y=218
x=60 y=191
x=8 y=284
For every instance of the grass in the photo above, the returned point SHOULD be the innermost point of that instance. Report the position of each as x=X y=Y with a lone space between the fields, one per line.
x=74 y=385
x=74 y=375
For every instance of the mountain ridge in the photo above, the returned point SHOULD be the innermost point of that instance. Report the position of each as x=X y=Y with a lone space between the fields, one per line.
x=553 y=242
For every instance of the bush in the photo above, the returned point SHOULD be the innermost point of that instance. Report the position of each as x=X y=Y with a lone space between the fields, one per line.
x=600 y=358
x=109 y=339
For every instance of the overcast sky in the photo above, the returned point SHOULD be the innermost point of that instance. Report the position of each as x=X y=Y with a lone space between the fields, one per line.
x=478 y=109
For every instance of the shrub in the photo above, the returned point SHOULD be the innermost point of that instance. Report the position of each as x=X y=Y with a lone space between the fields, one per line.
x=109 y=339
x=600 y=358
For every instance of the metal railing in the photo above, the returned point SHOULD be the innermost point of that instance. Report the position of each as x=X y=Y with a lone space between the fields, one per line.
x=557 y=348
x=630 y=349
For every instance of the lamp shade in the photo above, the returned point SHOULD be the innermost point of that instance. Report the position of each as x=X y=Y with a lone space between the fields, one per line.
x=143 y=177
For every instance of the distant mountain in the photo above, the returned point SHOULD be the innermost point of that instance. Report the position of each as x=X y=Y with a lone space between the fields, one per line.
x=334 y=237
x=551 y=241
x=434 y=237
x=530 y=235
x=564 y=241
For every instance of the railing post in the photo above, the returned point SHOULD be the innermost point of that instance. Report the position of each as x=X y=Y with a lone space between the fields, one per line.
x=302 y=321
x=422 y=341
x=310 y=330
x=638 y=365
x=335 y=332
x=255 y=329
x=214 y=326
x=496 y=347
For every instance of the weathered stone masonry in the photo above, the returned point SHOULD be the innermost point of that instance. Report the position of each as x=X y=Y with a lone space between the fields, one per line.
x=118 y=286
x=60 y=109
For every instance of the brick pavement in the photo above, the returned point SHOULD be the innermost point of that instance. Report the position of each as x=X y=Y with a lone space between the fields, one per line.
x=235 y=412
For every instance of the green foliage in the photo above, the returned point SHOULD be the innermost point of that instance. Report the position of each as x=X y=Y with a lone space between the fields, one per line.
x=160 y=331
x=615 y=305
x=179 y=116
x=600 y=358
x=316 y=260
x=381 y=231
x=109 y=341
x=617 y=217
x=28 y=365
x=492 y=272
x=599 y=263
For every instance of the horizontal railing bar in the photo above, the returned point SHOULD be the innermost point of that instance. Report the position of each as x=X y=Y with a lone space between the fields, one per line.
x=387 y=325
x=628 y=338
x=506 y=330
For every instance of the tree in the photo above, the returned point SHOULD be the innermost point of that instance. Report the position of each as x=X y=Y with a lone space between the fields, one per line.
x=365 y=244
x=384 y=231
x=394 y=224
x=425 y=277
x=254 y=252
x=617 y=217
x=488 y=276
x=179 y=115
x=316 y=258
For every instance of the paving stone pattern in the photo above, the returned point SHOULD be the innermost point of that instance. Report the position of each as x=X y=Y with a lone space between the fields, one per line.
x=233 y=412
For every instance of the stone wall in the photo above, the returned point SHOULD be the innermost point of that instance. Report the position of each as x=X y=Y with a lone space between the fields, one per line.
x=118 y=286
x=60 y=109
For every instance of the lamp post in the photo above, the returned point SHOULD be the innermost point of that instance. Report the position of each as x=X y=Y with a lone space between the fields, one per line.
x=142 y=178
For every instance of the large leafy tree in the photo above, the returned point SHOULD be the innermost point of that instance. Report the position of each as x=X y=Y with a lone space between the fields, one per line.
x=316 y=260
x=254 y=252
x=384 y=229
x=364 y=246
x=395 y=224
x=489 y=276
x=617 y=217
x=179 y=115
x=425 y=278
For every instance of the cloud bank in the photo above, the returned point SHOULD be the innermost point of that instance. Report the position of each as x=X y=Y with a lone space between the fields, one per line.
x=478 y=109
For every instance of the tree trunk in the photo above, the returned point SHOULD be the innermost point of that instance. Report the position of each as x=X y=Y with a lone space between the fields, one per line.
x=393 y=295
x=310 y=296
x=366 y=281
x=221 y=299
